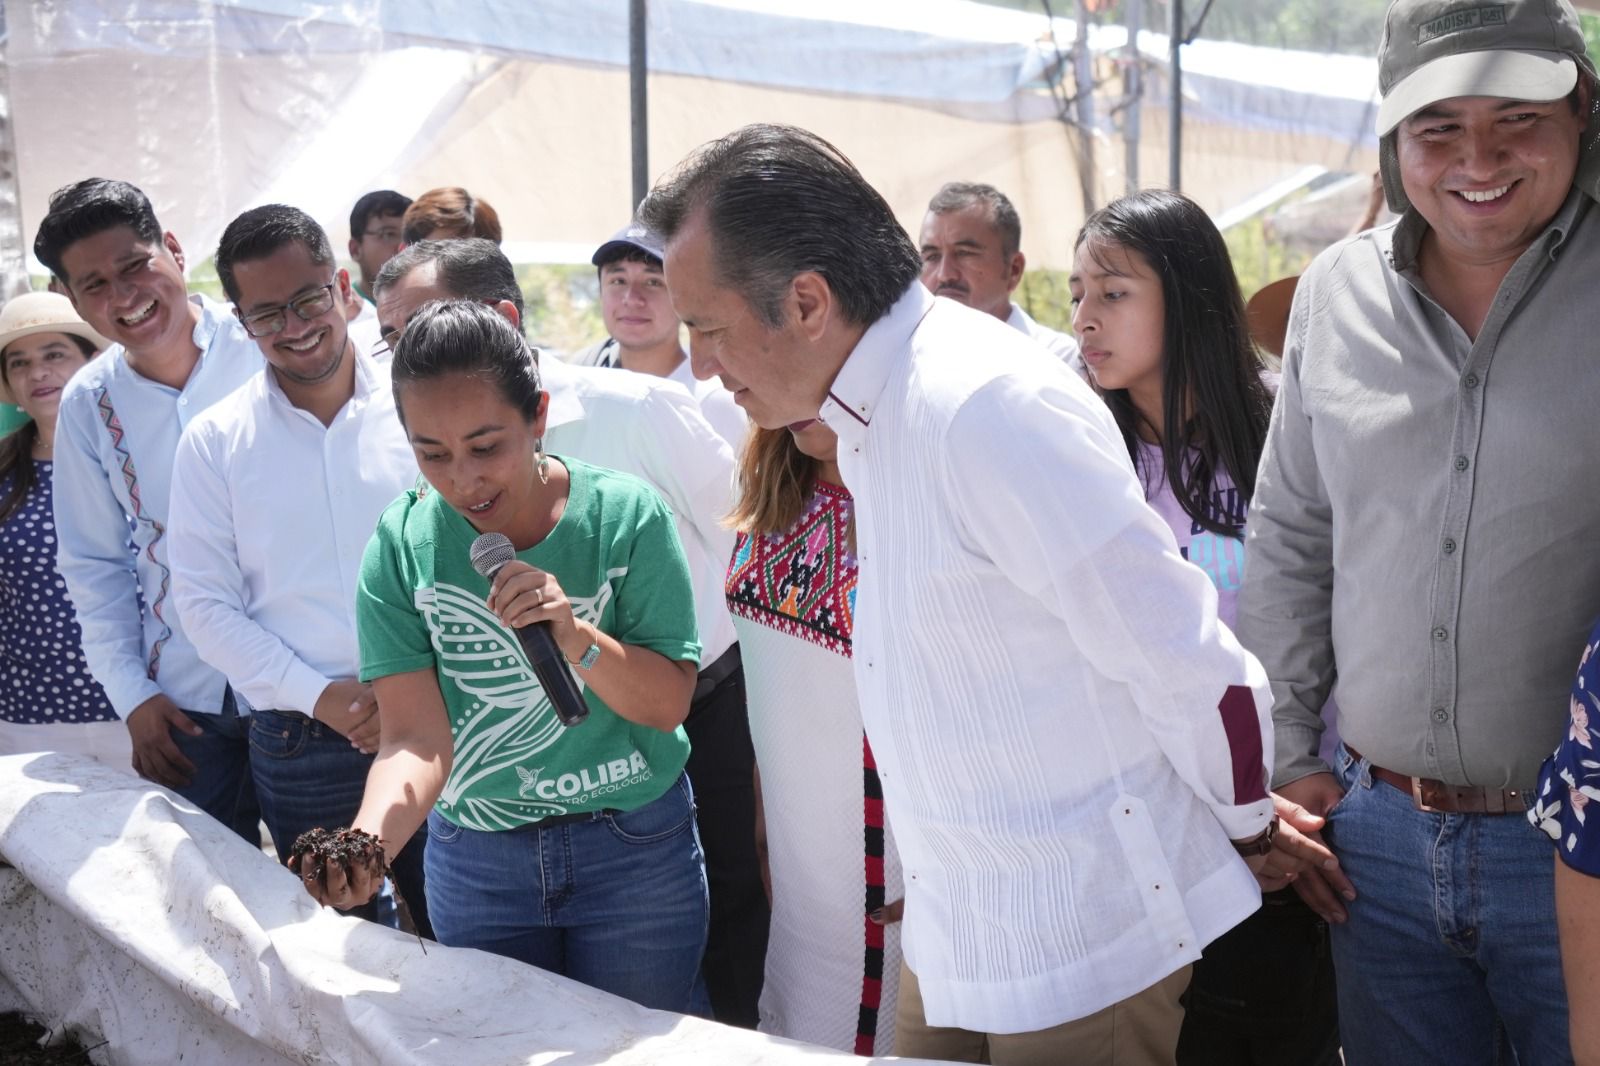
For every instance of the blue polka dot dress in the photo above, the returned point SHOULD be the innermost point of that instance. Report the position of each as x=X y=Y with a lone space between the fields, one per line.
x=43 y=679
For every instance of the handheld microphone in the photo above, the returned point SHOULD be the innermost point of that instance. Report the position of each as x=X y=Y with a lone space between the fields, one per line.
x=489 y=553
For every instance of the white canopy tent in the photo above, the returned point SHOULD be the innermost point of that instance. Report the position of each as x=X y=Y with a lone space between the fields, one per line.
x=214 y=107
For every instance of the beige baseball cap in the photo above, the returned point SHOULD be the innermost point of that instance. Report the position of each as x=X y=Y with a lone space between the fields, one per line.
x=41 y=312
x=1434 y=50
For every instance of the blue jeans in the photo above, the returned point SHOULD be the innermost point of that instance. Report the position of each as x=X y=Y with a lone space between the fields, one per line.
x=1450 y=950
x=617 y=901
x=306 y=776
x=222 y=785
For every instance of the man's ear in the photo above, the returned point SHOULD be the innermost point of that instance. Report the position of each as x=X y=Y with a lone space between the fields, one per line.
x=1018 y=264
x=171 y=243
x=813 y=302
x=354 y=246
x=508 y=311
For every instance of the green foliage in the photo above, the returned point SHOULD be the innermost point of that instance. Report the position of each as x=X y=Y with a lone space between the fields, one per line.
x=1044 y=294
x=563 y=305
x=1591 y=34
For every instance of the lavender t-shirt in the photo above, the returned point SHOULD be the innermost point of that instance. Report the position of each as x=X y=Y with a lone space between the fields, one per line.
x=1222 y=558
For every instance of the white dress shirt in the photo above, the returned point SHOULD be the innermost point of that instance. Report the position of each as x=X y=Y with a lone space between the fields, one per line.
x=1066 y=735
x=653 y=428
x=716 y=402
x=1062 y=345
x=116 y=434
x=271 y=514
x=367 y=337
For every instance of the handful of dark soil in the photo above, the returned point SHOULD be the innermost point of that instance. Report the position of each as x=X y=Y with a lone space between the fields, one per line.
x=19 y=1045
x=348 y=850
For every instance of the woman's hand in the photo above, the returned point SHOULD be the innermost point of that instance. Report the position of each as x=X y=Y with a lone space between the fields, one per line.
x=522 y=594
x=342 y=868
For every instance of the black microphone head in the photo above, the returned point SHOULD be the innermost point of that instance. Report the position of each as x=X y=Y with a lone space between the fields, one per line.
x=490 y=552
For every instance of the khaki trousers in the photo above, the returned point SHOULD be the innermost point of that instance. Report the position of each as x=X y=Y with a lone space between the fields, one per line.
x=1141 y=1030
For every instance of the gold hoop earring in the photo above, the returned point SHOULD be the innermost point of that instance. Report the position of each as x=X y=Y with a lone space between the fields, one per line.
x=542 y=462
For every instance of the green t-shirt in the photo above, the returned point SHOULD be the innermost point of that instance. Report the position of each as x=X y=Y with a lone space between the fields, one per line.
x=420 y=605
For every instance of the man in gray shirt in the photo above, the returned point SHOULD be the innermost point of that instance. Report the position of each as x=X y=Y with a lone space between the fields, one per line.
x=1421 y=537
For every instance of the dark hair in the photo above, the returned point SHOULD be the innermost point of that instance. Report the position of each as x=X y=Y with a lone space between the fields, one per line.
x=1213 y=399
x=86 y=208
x=628 y=253
x=261 y=231
x=454 y=209
x=16 y=448
x=960 y=195
x=779 y=201
x=466 y=337
x=470 y=268
x=379 y=204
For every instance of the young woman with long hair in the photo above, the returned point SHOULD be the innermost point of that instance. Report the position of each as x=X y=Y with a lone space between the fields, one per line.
x=1158 y=313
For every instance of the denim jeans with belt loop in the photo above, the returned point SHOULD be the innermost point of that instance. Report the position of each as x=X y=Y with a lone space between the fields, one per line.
x=616 y=901
x=1450 y=949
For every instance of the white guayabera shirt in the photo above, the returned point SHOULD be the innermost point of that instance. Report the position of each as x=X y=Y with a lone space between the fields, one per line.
x=1066 y=735
x=271 y=512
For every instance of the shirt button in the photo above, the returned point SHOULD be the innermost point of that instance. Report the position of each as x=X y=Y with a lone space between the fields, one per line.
x=1441 y=633
x=1441 y=715
x=1461 y=462
x=1470 y=381
x=1449 y=546
x=183 y=401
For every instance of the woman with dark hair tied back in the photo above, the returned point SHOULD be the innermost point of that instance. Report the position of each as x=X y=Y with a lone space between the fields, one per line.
x=1158 y=313
x=48 y=700
x=833 y=954
x=572 y=848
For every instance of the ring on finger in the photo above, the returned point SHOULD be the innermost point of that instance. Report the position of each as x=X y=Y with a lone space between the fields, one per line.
x=538 y=597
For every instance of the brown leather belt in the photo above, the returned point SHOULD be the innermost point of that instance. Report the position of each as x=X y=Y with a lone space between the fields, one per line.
x=1428 y=794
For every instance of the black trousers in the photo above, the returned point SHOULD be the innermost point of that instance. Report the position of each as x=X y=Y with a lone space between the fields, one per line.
x=1263 y=993
x=722 y=770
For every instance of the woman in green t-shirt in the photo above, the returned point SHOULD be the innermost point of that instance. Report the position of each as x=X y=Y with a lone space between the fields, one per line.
x=570 y=848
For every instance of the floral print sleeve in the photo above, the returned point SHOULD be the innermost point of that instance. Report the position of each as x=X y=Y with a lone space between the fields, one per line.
x=1570 y=779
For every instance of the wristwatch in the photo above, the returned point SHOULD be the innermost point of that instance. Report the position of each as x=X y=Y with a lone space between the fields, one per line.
x=1259 y=844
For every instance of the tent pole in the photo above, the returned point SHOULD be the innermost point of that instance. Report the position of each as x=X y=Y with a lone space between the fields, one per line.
x=637 y=104
x=1175 y=103
x=1133 y=90
x=13 y=257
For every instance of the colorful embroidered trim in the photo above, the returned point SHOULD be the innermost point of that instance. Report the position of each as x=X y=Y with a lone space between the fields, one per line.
x=803 y=581
x=108 y=415
x=872 y=963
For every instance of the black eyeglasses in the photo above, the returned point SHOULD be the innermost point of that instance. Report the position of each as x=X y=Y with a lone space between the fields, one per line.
x=311 y=305
x=389 y=234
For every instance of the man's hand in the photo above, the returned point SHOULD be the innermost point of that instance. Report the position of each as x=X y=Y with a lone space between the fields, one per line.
x=156 y=756
x=350 y=709
x=1299 y=855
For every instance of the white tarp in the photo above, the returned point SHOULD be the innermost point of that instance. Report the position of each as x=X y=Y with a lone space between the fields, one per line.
x=129 y=916
x=215 y=107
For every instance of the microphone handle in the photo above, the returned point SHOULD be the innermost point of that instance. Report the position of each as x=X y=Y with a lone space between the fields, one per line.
x=553 y=672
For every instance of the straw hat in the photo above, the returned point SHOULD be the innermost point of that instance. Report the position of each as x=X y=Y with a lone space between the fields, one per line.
x=41 y=312
x=1267 y=314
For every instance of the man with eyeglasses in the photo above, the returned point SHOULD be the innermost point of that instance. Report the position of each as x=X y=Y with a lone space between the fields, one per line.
x=276 y=491
x=116 y=434
x=375 y=236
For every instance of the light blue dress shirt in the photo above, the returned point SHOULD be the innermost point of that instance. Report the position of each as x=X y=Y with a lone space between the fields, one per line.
x=116 y=436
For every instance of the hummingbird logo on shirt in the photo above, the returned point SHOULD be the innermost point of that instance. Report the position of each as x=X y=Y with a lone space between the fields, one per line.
x=530 y=780
x=509 y=719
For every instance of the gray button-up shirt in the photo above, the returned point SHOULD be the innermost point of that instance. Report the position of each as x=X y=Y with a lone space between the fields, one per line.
x=1425 y=534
